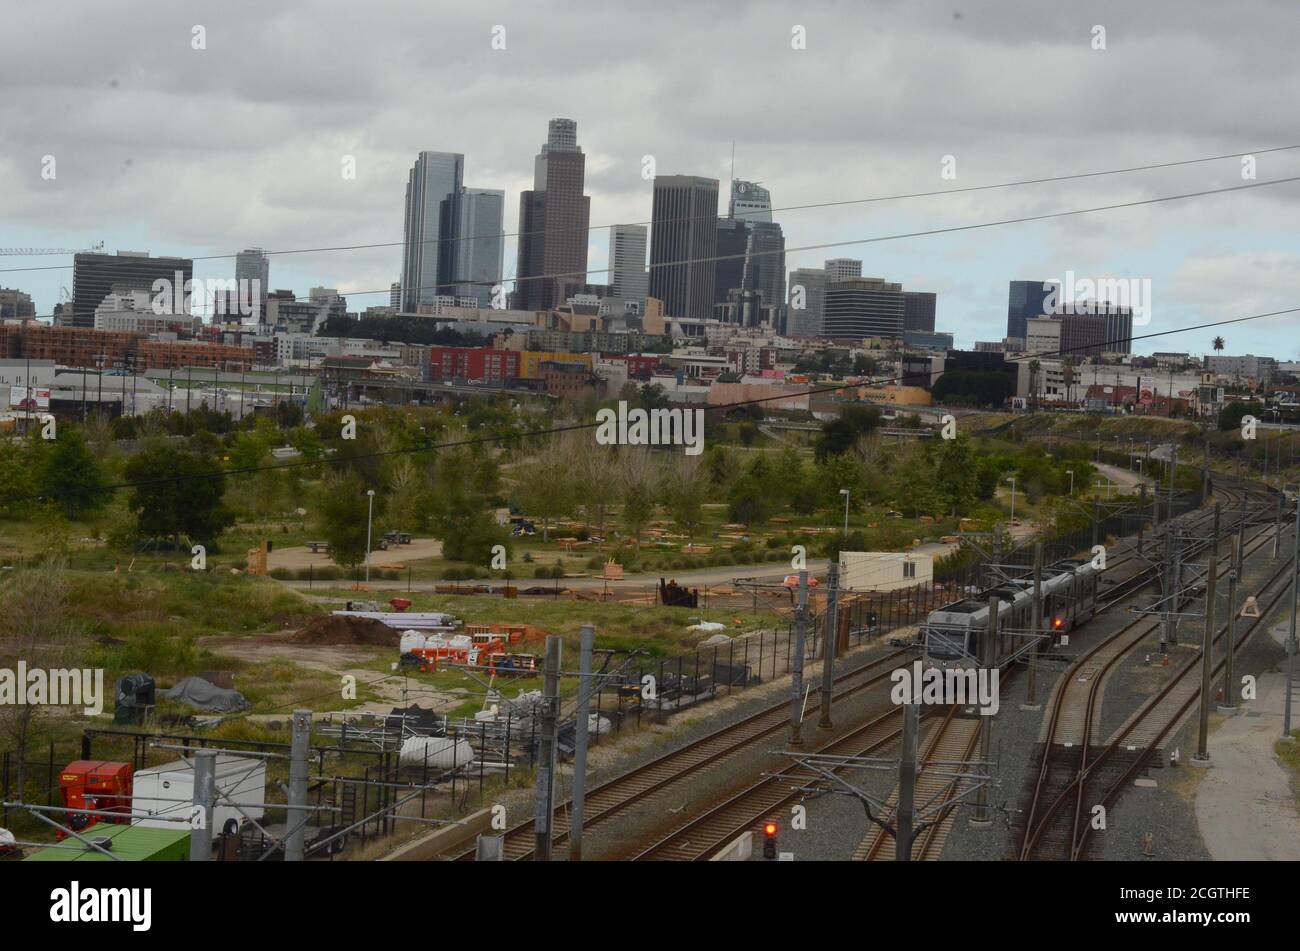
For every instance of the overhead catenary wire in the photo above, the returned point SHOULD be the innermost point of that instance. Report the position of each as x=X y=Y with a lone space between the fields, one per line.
x=834 y=203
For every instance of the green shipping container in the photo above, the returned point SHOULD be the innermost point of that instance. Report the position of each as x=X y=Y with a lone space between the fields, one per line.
x=128 y=843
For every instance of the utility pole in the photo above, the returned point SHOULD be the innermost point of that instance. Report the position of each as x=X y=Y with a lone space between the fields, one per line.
x=1096 y=518
x=205 y=790
x=796 y=680
x=1291 y=641
x=299 y=768
x=907 y=770
x=1277 y=526
x=828 y=645
x=981 y=818
x=1031 y=699
x=588 y=644
x=546 y=759
x=1202 y=756
x=1234 y=578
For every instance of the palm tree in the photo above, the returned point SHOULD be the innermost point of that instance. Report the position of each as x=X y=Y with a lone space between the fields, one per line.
x=1034 y=367
x=1218 y=344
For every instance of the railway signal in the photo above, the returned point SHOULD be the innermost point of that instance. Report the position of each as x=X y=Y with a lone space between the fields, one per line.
x=769 y=840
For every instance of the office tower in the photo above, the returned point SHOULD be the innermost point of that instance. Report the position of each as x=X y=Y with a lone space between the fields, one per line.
x=1083 y=335
x=252 y=273
x=478 y=251
x=553 y=221
x=1024 y=300
x=918 y=311
x=15 y=304
x=94 y=275
x=859 y=307
x=765 y=262
x=395 y=295
x=627 y=273
x=427 y=255
x=1119 y=329
x=683 y=244
x=731 y=253
x=841 y=269
x=808 y=284
x=750 y=201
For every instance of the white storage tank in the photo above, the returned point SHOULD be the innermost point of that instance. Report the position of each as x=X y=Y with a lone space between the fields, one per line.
x=412 y=640
x=439 y=752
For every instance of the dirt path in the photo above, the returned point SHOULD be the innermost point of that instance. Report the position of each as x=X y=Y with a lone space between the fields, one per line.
x=1245 y=806
x=301 y=556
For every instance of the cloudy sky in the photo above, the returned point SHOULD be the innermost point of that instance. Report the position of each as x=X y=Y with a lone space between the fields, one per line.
x=162 y=147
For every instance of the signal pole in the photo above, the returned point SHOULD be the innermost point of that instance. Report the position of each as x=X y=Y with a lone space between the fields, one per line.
x=580 y=742
x=546 y=761
x=1031 y=698
x=1291 y=641
x=1234 y=578
x=796 y=680
x=981 y=818
x=828 y=647
x=1202 y=756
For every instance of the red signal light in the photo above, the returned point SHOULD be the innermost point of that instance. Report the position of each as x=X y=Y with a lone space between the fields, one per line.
x=769 y=830
x=1058 y=623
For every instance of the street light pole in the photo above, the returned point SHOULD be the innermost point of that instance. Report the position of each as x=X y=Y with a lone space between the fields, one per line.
x=1070 y=473
x=845 y=493
x=1012 y=480
x=370 y=517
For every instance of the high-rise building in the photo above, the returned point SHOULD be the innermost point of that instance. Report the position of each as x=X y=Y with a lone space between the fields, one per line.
x=841 y=269
x=765 y=262
x=683 y=244
x=1083 y=335
x=806 y=307
x=435 y=179
x=1024 y=300
x=15 y=304
x=395 y=295
x=553 y=221
x=253 y=265
x=750 y=201
x=918 y=311
x=478 y=250
x=94 y=276
x=627 y=273
x=732 y=253
x=859 y=307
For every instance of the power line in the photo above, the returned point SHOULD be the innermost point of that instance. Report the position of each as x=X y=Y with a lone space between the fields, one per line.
x=814 y=391
x=837 y=203
x=953 y=229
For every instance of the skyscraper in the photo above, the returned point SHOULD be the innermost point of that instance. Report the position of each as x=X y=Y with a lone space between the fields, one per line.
x=683 y=243
x=553 y=220
x=627 y=273
x=1024 y=300
x=860 y=307
x=918 y=311
x=750 y=201
x=478 y=251
x=427 y=257
x=841 y=269
x=807 y=305
x=95 y=275
x=252 y=265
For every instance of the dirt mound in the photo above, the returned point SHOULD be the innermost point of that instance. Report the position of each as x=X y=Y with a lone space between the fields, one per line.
x=342 y=629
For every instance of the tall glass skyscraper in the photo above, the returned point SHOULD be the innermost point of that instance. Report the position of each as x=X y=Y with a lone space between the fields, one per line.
x=553 y=220
x=477 y=253
x=427 y=257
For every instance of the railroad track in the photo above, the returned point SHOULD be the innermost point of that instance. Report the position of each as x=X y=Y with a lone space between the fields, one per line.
x=950 y=741
x=700 y=837
x=1069 y=766
x=612 y=797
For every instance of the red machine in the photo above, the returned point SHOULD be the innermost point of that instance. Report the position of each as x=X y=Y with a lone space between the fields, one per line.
x=96 y=785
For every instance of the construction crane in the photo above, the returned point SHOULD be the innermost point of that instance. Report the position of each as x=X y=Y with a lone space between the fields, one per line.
x=25 y=252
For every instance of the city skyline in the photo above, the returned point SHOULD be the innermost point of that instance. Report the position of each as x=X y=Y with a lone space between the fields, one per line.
x=1219 y=257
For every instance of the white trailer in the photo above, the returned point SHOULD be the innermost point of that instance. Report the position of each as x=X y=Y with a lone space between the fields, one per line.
x=166 y=793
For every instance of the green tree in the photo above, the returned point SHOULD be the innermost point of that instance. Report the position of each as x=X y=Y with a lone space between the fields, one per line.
x=71 y=475
x=177 y=494
x=342 y=513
